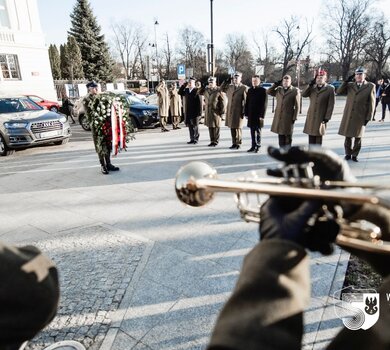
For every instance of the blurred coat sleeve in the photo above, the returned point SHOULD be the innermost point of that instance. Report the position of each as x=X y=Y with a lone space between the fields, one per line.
x=265 y=310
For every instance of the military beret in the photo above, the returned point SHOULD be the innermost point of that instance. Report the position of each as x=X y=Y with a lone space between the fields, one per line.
x=321 y=72
x=238 y=74
x=212 y=79
x=360 y=70
x=92 y=84
x=192 y=78
x=29 y=293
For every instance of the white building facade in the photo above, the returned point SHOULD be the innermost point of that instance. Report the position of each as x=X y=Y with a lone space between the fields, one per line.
x=24 y=58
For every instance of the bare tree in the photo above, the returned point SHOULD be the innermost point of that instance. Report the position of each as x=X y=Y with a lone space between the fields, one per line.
x=377 y=47
x=346 y=31
x=192 y=50
x=293 y=47
x=124 y=44
x=238 y=55
x=140 y=63
x=265 y=53
x=168 y=58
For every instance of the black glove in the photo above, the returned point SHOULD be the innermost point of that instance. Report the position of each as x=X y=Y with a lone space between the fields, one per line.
x=325 y=121
x=351 y=78
x=287 y=218
x=312 y=83
x=366 y=122
x=279 y=82
x=296 y=219
x=185 y=84
x=327 y=164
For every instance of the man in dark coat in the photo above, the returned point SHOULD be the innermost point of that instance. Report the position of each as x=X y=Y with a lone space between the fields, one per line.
x=255 y=108
x=385 y=99
x=378 y=94
x=286 y=111
x=266 y=308
x=322 y=99
x=358 y=111
x=192 y=108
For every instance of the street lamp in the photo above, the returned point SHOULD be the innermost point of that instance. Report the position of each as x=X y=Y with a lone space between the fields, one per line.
x=210 y=47
x=155 y=43
x=298 y=58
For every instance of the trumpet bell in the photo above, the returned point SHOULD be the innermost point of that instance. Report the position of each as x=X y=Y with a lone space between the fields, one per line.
x=186 y=186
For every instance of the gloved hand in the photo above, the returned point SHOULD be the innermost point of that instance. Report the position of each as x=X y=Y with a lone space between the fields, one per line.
x=351 y=78
x=288 y=217
x=279 y=82
x=312 y=83
x=325 y=121
x=366 y=122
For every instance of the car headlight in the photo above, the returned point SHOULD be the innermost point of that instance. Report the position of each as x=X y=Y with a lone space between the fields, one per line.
x=147 y=113
x=15 y=125
x=63 y=119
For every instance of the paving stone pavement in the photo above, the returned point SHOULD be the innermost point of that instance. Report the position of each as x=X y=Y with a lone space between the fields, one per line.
x=138 y=269
x=96 y=265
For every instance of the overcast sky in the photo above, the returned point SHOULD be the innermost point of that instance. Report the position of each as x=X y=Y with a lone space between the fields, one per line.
x=242 y=16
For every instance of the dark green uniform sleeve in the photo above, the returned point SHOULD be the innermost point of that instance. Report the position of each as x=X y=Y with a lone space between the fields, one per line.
x=265 y=309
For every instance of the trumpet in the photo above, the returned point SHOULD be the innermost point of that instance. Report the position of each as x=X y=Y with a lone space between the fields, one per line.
x=197 y=182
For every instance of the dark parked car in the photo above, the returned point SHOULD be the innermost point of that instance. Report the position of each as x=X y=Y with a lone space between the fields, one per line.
x=24 y=124
x=142 y=114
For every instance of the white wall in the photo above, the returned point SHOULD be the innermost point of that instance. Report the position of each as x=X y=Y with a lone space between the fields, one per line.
x=26 y=40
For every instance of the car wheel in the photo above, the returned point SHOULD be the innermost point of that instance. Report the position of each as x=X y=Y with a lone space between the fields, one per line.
x=54 y=109
x=84 y=122
x=62 y=142
x=135 y=123
x=4 y=150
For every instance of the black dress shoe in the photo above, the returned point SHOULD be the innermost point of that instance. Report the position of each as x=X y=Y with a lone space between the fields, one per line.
x=257 y=149
x=111 y=167
x=252 y=149
x=354 y=158
x=211 y=144
x=238 y=146
x=178 y=127
x=347 y=157
x=190 y=142
x=104 y=170
x=232 y=147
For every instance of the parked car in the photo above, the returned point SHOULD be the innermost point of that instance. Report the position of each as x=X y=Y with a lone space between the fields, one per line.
x=336 y=84
x=132 y=93
x=50 y=105
x=142 y=115
x=25 y=124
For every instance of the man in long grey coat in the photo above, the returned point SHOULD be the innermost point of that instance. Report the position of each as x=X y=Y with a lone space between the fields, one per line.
x=236 y=95
x=214 y=109
x=322 y=99
x=163 y=104
x=287 y=106
x=358 y=111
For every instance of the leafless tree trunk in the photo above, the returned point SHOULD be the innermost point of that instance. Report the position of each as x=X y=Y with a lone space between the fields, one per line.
x=346 y=30
x=167 y=54
x=377 y=48
x=293 y=47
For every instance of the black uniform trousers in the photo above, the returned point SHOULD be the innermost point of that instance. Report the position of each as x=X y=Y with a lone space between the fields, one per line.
x=193 y=128
x=236 y=136
x=315 y=140
x=352 y=151
x=256 y=137
x=285 y=140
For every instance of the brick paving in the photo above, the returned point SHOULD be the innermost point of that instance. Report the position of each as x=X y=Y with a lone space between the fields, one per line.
x=96 y=265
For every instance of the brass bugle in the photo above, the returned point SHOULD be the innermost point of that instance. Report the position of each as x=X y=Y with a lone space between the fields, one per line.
x=196 y=183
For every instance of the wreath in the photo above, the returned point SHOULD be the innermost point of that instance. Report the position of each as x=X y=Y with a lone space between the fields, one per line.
x=109 y=118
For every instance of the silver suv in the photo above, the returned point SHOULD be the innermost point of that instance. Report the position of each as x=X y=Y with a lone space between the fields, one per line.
x=24 y=124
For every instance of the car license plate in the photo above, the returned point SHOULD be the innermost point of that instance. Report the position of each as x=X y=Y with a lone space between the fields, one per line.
x=49 y=134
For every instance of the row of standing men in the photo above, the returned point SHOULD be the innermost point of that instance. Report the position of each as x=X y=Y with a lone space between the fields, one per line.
x=251 y=103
